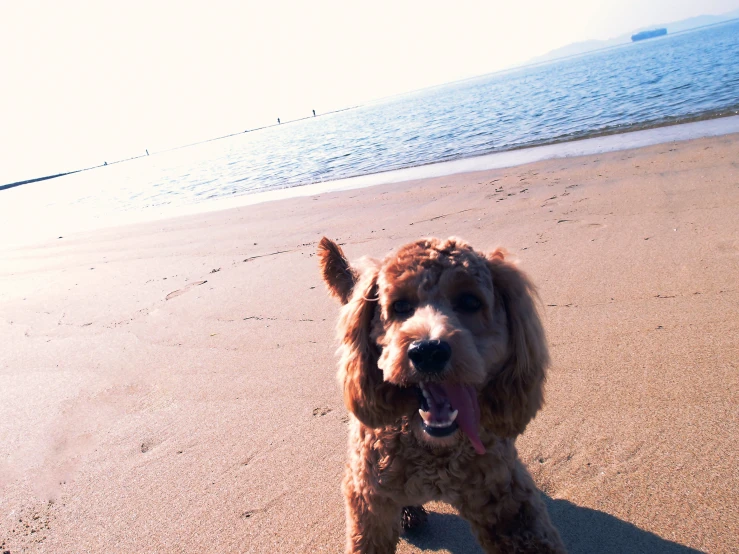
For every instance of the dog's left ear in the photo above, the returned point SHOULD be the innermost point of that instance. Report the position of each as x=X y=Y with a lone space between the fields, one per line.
x=340 y=278
x=515 y=394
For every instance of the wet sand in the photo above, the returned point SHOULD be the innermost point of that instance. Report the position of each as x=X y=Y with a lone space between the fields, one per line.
x=170 y=386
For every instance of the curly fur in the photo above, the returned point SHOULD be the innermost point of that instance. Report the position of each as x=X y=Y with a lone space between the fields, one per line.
x=499 y=352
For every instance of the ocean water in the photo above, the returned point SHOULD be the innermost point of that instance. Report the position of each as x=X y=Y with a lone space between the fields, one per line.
x=675 y=78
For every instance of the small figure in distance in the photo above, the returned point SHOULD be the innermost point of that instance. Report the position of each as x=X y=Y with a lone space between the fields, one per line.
x=278 y=121
x=314 y=113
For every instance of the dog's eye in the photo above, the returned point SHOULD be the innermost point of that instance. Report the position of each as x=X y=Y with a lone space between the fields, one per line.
x=468 y=303
x=402 y=307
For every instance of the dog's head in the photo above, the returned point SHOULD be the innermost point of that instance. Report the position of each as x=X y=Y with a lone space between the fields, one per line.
x=440 y=333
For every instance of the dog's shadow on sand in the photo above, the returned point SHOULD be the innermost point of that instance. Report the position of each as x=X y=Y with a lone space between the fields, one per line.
x=583 y=530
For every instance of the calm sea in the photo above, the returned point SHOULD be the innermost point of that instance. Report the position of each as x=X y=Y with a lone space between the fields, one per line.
x=654 y=82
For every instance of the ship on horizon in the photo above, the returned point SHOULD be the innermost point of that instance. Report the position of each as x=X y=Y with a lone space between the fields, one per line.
x=649 y=34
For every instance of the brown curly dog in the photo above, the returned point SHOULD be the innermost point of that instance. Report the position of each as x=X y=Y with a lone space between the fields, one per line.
x=443 y=360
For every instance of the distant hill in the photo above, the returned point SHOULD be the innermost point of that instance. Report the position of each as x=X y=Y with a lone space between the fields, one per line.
x=676 y=27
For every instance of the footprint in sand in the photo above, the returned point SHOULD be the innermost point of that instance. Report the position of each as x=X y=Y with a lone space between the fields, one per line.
x=183 y=291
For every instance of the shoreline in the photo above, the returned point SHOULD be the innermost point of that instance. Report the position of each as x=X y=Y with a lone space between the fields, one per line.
x=63 y=220
x=728 y=112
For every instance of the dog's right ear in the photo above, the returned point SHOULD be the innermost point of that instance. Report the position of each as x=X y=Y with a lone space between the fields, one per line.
x=340 y=278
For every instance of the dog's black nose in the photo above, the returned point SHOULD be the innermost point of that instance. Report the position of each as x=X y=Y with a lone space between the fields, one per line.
x=429 y=356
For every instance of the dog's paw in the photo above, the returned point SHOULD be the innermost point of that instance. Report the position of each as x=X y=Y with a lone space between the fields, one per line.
x=413 y=517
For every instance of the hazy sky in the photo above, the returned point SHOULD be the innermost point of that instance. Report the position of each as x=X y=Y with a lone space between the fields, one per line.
x=84 y=82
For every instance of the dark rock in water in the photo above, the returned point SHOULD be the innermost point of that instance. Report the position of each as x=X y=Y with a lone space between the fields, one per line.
x=649 y=34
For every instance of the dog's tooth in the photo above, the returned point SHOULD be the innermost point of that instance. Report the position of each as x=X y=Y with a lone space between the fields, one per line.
x=426 y=416
x=453 y=416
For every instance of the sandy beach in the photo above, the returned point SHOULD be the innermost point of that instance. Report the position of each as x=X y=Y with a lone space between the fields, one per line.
x=170 y=386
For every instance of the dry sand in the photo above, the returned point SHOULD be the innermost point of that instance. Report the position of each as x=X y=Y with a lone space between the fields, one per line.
x=170 y=387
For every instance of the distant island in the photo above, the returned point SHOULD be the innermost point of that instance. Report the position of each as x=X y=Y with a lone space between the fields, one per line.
x=577 y=48
x=649 y=34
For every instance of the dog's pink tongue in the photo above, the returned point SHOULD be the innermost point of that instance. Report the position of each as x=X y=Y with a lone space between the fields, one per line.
x=464 y=399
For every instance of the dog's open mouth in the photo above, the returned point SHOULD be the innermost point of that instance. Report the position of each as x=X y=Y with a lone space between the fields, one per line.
x=446 y=407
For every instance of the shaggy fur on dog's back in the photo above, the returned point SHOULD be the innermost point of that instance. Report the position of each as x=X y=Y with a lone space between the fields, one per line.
x=443 y=361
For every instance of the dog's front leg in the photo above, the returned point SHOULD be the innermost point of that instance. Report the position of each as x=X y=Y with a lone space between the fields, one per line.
x=372 y=522
x=515 y=521
x=518 y=534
